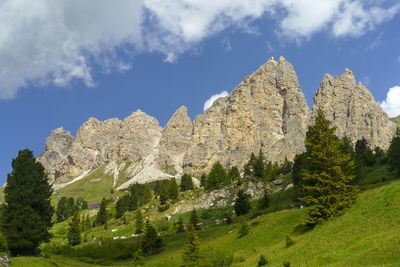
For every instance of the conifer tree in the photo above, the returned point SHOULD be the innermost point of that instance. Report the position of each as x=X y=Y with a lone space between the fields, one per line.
x=328 y=174
x=394 y=152
x=186 y=182
x=101 y=217
x=26 y=214
x=191 y=253
x=151 y=240
x=194 y=220
x=242 y=203
x=121 y=206
x=181 y=227
x=258 y=166
x=203 y=178
x=233 y=174
x=87 y=223
x=139 y=222
x=265 y=200
x=173 y=189
x=61 y=211
x=217 y=176
x=74 y=230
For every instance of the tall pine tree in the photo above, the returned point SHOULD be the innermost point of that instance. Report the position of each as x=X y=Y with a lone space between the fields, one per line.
x=27 y=212
x=328 y=173
x=74 y=230
x=101 y=217
x=191 y=252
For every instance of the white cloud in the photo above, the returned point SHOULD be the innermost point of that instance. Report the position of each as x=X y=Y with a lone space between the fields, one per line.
x=392 y=103
x=211 y=100
x=54 y=41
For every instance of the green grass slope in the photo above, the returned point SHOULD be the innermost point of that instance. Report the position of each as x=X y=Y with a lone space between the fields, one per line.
x=367 y=235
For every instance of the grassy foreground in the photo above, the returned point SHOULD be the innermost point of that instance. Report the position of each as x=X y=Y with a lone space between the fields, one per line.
x=366 y=235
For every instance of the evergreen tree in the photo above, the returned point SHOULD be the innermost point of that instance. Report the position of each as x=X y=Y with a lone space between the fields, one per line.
x=151 y=240
x=84 y=205
x=186 y=182
x=74 y=230
x=203 y=178
x=328 y=174
x=137 y=257
x=364 y=154
x=26 y=214
x=173 y=189
x=139 y=222
x=194 y=220
x=265 y=200
x=233 y=174
x=286 y=167
x=394 y=152
x=191 y=253
x=164 y=194
x=217 y=177
x=121 y=206
x=181 y=227
x=258 y=166
x=61 y=211
x=242 y=203
x=243 y=228
x=87 y=223
x=101 y=217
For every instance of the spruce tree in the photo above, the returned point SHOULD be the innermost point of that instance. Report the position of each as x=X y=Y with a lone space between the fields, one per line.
x=394 y=152
x=181 y=227
x=191 y=253
x=327 y=178
x=203 y=178
x=101 y=217
x=265 y=200
x=173 y=189
x=74 y=230
x=151 y=240
x=194 y=220
x=121 y=206
x=139 y=222
x=27 y=212
x=233 y=174
x=258 y=166
x=61 y=211
x=186 y=182
x=217 y=177
x=242 y=203
x=87 y=223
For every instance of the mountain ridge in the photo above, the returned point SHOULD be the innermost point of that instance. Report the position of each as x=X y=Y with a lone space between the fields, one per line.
x=266 y=111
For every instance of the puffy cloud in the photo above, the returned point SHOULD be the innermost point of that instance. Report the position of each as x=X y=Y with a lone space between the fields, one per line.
x=392 y=103
x=54 y=41
x=211 y=100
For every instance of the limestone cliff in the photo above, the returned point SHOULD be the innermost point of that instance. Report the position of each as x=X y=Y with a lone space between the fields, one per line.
x=353 y=110
x=267 y=111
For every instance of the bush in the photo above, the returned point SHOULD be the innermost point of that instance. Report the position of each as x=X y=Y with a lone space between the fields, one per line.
x=262 y=261
x=286 y=264
x=290 y=241
x=244 y=228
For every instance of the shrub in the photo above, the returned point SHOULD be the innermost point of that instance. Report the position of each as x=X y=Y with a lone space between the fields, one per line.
x=290 y=241
x=286 y=264
x=262 y=261
x=244 y=228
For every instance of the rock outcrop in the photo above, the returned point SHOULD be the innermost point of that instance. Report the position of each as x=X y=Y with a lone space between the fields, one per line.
x=174 y=142
x=267 y=111
x=353 y=110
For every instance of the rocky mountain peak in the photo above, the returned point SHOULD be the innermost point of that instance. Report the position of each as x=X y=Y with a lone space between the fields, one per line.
x=353 y=110
x=262 y=112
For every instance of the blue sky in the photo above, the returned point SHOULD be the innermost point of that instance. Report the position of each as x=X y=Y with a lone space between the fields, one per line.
x=62 y=62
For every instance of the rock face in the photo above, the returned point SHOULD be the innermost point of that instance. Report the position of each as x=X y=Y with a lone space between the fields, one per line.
x=97 y=143
x=174 y=142
x=353 y=110
x=266 y=111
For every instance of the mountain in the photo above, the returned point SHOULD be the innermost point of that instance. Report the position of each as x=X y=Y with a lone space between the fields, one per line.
x=353 y=110
x=396 y=120
x=266 y=111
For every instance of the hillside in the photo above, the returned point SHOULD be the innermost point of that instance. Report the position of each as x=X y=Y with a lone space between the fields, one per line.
x=396 y=120
x=366 y=235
